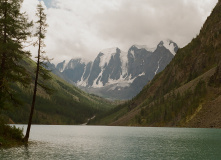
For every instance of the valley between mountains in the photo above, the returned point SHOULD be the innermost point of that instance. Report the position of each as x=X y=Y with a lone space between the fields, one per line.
x=163 y=85
x=115 y=74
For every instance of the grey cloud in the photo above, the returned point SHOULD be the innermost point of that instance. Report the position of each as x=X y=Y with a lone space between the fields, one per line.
x=140 y=21
x=81 y=28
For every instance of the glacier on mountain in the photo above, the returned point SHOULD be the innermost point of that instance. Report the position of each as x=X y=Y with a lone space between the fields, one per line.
x=117 y=71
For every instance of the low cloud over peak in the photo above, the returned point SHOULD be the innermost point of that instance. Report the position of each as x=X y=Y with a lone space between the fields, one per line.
x=81 y=28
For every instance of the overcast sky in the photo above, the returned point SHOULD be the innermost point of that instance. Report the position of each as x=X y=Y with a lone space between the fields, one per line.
x=82 y=28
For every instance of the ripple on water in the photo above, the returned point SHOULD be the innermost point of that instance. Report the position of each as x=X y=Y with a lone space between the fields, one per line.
x=97 y=142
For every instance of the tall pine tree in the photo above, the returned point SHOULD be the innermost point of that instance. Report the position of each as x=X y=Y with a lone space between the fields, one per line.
x=14 y=30
x=41 y=72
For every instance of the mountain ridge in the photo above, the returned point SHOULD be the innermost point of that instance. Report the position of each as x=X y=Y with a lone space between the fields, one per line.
x=187 y=92
x=115 y=73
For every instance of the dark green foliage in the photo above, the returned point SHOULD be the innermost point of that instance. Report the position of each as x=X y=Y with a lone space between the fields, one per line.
x=215 y=79
x=40 y=70
x=67 y=105
x=9 y=135
x=98 y=119
x=14 y=31
x=173 y=109
x=191 y=76
x=61 y=108
x=11 y=132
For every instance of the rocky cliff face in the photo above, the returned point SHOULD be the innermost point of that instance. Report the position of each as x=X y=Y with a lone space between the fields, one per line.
x=117 y=74
x=188 y=92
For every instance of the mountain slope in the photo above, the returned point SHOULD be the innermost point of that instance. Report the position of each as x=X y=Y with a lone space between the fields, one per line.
x=117 y=74
x=67 y=105
x=187 y=93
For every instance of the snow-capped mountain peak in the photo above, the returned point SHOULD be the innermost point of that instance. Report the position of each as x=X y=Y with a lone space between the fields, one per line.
x=106 y=55
x=170 y=45
x=61 y=66
x=72 y=64
x=84 y=60
x=114 y=71
x=109 y=51
x=147 y=48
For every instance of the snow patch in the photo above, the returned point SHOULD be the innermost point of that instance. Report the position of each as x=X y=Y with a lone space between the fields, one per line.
x=142 y=74
x=121 y=82
x=82 y=82
x=124 y=62
x=147 y=48
x=100 y=84
x=65 y=63
x=158 y=66
x=117 y=83
x=132 y=52
x=168 y=44
x=84 y=61
x=107 y=54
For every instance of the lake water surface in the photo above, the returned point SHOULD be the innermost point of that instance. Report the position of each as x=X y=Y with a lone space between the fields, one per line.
x=116 y=143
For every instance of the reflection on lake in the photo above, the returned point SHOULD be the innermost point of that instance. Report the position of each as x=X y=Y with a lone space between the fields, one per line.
x=100 y=142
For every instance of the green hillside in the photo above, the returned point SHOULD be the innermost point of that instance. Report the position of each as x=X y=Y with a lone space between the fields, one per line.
x=67 y=105
x=187 y=93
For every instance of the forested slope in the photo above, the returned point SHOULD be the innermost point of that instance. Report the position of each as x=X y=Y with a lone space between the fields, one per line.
x=187 y=93
x=67 y=104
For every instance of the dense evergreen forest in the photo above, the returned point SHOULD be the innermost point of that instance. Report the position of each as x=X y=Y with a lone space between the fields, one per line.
x=25 y=83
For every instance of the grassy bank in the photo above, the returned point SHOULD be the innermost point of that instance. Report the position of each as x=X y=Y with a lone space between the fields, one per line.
x=10 y=135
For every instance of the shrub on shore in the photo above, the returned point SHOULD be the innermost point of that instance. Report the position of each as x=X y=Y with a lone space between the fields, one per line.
x=10 y=135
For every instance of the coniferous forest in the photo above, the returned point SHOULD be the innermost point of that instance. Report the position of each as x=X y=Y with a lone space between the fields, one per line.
x=25 y=83
x=185 y=94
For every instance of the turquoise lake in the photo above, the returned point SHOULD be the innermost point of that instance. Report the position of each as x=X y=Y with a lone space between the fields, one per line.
x=59 y=142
